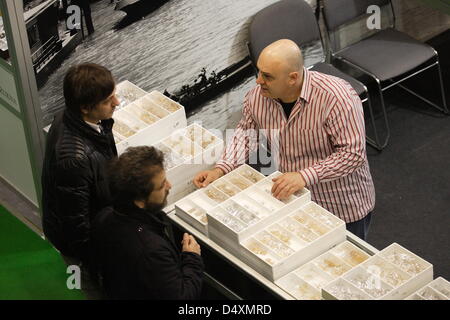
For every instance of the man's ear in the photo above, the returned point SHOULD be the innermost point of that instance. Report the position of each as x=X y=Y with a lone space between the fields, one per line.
x=140 y=203
x=293 y=77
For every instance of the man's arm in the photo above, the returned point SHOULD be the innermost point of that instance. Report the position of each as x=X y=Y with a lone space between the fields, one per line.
x=345 y=127
x=243 y=141
x=238 y=148
x=73 y=180
x=159 y=272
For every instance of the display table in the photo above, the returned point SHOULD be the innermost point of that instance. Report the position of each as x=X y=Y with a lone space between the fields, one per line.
x=229 y=275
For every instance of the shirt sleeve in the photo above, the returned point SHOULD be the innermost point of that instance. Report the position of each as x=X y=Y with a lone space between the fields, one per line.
x=243 y=141
x=346 y=130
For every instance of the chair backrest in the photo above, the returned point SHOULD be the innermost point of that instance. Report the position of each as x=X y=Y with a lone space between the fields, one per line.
x=285 y=19
x=339 y=12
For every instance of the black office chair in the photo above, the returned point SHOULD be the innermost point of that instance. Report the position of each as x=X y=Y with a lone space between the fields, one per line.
x=388 y=56
x=296 y=20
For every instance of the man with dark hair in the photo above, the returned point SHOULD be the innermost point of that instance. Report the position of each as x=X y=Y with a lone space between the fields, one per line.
x=79 y=144
x=133 y=250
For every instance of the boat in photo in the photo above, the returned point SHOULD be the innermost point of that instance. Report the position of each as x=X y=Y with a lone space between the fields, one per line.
x=206 y=87
x=136 y=10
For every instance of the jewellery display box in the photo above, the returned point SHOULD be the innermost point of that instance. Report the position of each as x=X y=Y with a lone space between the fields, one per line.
x=438 y=289
x=294 y=239
x=392 y=274
x=193 y=208
x=144 y=118
x=127 y=93
x=307 y=281
x=188 y=151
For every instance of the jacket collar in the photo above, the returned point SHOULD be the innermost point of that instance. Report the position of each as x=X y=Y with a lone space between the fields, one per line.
x=76 y=124
x=156 y=219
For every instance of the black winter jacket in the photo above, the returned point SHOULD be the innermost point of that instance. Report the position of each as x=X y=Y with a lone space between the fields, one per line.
x=74 y=184
x=136 y=258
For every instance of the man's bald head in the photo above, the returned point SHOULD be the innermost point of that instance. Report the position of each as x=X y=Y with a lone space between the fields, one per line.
x=280 y=71
x=285 y=53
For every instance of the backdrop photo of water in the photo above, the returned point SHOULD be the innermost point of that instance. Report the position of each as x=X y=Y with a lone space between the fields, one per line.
x=166 y=50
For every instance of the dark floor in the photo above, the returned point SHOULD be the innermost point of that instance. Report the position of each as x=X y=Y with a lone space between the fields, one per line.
x=412 y=175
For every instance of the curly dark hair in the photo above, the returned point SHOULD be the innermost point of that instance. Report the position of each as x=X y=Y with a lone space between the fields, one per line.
x=86 y=85
x=131 y=175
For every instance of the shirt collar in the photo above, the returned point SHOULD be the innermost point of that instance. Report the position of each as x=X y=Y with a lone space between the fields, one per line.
x=96 y=127
x=305 y=94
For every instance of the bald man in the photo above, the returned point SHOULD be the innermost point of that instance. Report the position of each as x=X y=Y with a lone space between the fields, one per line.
x=318 y=123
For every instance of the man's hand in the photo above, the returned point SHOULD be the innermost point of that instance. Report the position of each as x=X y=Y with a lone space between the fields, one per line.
x=189 y=244
x=202 y=179
x=287 y=184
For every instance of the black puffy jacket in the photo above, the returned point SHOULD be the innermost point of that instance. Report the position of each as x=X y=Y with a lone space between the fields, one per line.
x=136 y=258
x=74 y=184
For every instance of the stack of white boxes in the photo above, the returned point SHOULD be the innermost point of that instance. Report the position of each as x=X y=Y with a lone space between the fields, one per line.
x=193 y=208
x=153 y=119
x=301 y=246
x=271 y=236
x=392 y=274
x=188 y=151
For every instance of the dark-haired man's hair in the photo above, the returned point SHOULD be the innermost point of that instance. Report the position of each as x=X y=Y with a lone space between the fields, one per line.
x=86 y=85
x=131 y=175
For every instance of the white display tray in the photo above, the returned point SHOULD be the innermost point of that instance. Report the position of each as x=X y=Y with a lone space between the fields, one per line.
x=322 y=270
x=438 y=289
x=249 y=222
x=298 y=288
x=193 y=214
x=296 y=243
x=192 y=158
x=127 y=93
x=236 y=182
x=241 y=186
x=247 y=211
x=384 y=277
x=145 y=121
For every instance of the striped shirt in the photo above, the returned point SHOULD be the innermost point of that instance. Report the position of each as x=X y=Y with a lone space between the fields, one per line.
x=323 y=139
